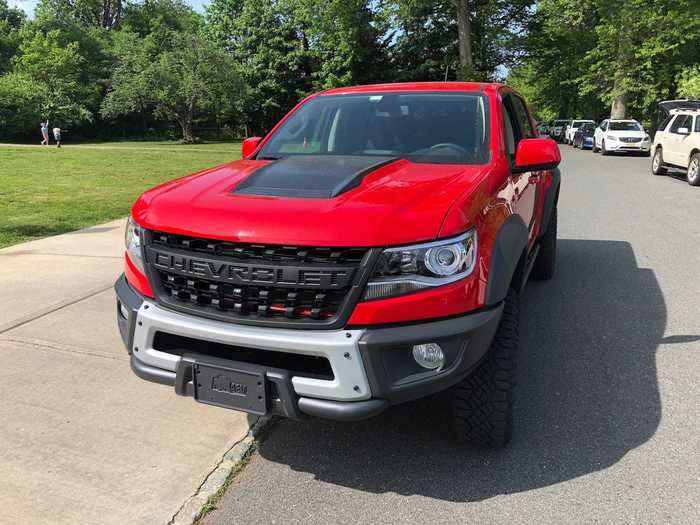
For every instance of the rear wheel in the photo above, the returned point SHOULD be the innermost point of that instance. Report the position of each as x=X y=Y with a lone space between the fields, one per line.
x=657 y=163
x=483 y=401
x=694 y=170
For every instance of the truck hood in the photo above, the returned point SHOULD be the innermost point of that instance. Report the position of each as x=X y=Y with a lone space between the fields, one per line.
x=390 y=203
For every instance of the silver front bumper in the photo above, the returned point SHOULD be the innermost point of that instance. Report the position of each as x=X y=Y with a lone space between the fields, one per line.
x=340 y=347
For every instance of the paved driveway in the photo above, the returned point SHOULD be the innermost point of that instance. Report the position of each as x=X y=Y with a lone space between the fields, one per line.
x=608 y=399
x=82 y=440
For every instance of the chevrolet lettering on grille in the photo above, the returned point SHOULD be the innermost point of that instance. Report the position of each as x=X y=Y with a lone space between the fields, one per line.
x=252 y=274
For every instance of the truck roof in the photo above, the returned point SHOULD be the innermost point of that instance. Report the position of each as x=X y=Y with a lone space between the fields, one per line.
x=414 y=86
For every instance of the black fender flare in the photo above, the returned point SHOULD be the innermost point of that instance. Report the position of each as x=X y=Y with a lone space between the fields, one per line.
x=551 y=196
x=507 y=254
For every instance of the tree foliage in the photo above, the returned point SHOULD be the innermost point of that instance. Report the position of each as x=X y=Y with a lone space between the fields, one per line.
x=597 y=58
x=157 y=66
x=191 y=77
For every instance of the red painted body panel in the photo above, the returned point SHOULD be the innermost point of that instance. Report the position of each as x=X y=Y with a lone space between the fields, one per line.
x=537 y=152
x=399 y=203
x=136 y=279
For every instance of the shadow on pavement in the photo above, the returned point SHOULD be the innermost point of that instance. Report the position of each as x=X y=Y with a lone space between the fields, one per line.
x=587 y=395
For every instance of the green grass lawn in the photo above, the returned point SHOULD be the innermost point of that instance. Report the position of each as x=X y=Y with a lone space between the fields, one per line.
x=47 y=191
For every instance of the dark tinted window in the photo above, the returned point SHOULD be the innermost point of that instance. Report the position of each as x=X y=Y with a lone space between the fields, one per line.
x=697 y=124
x=625 y=126
x=588 y=126
x=665 y=122
x=682 y=121
x=422 y=127
x=523 y=118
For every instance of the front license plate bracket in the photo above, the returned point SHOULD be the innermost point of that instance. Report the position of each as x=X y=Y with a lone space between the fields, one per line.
x=230 y=386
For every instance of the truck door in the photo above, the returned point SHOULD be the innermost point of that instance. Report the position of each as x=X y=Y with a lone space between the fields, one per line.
x=518 y=126
x=674 y=152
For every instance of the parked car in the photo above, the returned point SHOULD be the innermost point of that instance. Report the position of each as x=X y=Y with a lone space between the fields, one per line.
x=573 y=127
x=543 y=128
x=370 y=250
x=677 y=141
x=583 y=138
x=621 y=136
x=558 y=129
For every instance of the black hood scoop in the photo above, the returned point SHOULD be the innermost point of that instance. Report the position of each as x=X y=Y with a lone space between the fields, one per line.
x=311 y=176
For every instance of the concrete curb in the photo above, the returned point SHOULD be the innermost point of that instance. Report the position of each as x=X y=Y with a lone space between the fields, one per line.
x=196 y=505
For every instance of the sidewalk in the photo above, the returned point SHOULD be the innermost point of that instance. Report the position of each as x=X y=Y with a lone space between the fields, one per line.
x=82 y=440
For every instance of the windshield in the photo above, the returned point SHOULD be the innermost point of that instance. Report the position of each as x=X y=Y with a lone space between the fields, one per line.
x=560 y=122
x=422 y=127
x=588 y=126
x=625 y=126
x=579 y=123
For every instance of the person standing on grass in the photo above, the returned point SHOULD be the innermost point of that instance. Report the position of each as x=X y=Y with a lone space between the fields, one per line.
x=57 y=136
x=45 y=133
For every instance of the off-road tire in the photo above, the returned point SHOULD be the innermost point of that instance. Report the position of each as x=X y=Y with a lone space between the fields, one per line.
x=543 y=268
x=693 y=175
x=657 y=163
x=483 y=401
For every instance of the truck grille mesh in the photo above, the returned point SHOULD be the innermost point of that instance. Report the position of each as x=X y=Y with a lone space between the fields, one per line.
x=310 y=301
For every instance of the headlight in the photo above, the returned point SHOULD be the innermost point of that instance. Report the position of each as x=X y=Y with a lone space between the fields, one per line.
x=612 y=138
x=647 y=138
x=409 y=269
x=132 y=240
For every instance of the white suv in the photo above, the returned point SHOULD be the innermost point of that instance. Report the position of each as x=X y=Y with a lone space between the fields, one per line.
x=677 y=141
x=573 y=127
x=621 y=136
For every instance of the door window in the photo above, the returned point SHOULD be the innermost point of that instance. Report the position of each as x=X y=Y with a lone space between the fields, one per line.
x=697 y=124
x=682 y=121
x=664 y=124
x=526 y=130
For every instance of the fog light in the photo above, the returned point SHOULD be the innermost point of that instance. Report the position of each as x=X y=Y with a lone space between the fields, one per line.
x=429 y=355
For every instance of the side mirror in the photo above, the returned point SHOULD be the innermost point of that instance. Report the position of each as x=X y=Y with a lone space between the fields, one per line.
x=536 y=155
x=249 y=146
x=683 y=131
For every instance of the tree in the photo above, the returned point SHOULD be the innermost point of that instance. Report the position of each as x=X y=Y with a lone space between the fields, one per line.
x=106 y=14
x=641 y=47
x=191 y=78
x=481 y=35
x=343 y=41
x=269 y=57
x=689 y=83
x=11 y=20
x=21 y=99
x=58 y=66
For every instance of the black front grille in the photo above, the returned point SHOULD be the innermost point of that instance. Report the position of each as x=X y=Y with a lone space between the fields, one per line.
x=254 y=283
x=630 y=139
x=261 y=252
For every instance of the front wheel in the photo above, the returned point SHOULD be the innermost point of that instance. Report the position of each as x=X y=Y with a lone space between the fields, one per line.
x=657 y=163
x=603 y=151
x=483 y=401
x=694 y=170
x=594 y=149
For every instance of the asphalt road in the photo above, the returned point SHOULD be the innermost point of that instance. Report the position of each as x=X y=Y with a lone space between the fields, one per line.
x=607 y=420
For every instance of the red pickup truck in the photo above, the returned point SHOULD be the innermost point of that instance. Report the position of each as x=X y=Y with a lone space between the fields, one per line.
x=370 y=250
